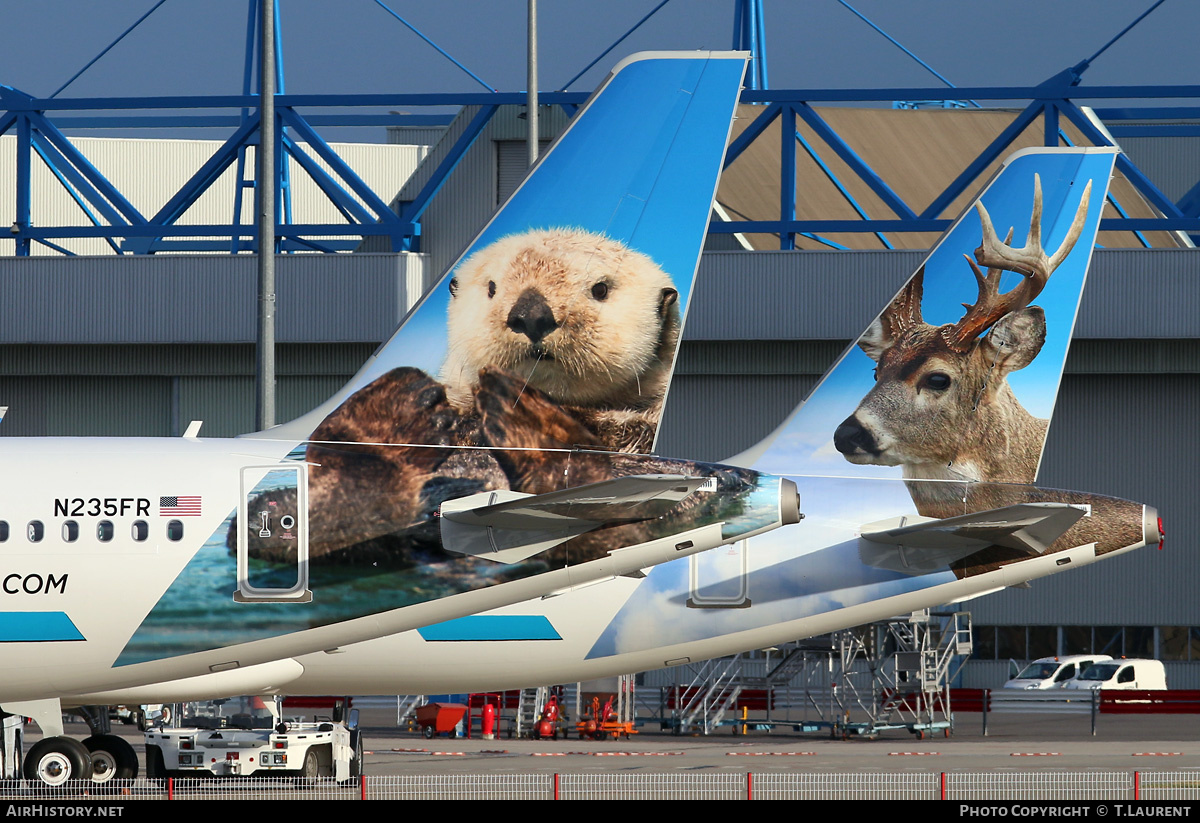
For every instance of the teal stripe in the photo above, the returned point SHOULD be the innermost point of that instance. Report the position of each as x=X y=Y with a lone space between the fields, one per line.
x=491 y=627
x=36 y=627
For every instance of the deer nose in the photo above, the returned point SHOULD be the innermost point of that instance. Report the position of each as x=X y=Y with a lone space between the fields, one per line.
x=532 y=316
x=850 y=437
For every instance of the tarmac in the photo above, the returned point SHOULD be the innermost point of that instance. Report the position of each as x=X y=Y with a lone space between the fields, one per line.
x=1014 y=743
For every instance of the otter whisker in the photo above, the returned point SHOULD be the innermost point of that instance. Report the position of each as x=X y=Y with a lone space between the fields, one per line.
x=530 y=377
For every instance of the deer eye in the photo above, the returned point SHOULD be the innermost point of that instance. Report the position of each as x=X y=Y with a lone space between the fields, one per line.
x=600 y=290
x=491 y=288
x=937 y=381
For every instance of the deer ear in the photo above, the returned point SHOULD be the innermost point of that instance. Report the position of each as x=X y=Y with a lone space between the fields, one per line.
x=1016 y=339
x=875 y=340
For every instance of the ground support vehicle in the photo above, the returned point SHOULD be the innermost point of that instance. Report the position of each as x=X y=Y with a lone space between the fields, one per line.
x=306 y=750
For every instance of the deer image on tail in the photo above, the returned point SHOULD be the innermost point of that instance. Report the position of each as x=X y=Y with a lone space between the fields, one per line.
x=941 y=406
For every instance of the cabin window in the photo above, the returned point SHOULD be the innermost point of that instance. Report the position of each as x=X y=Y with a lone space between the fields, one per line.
x=175 y=530
x=141 y=530
x=36 y=531
x=104 y=531
x=3 y=530
x=70 y=531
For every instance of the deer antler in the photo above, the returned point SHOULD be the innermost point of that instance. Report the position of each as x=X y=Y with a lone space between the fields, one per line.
x=904 y=312
x=1030 y=260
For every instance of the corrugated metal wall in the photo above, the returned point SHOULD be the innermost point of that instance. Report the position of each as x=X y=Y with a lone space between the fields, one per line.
x=142 y=346
x=204 y=298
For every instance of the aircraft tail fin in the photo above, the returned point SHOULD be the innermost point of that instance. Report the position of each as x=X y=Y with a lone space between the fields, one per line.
x=579 y=284
x=957 y=377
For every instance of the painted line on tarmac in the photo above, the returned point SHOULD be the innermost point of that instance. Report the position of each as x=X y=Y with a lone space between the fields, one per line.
x=771 y=754
x=1035 y=754
x=911 y=754
x=1158 y=754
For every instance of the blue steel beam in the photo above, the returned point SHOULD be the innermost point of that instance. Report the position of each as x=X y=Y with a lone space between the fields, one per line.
x=150 y=230
x=833 y=178
x=1150 y=191
x=21 y=225
x=1045 y=97
x=787 y=175
x=439 y=49
x=108 y=48
x=1112 y=198
x=751 y=133
x=236 y=101
x=1188 y=224
x=851 y=158
x=75 y=182
x=356 y=184
x=416 y=208
x=225 y=154
x=985 y=159
x=47 y=153
x=85 y=167
x=1050 y=124
x=1189 y=204
x=350 y=208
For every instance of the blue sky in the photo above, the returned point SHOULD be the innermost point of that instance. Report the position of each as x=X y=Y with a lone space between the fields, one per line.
x=355 y=46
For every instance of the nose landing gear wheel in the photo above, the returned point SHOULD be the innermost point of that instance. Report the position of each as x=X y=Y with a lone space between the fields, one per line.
x=55 y=760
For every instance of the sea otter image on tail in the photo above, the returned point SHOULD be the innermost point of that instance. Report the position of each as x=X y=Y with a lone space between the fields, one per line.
x=581 y=317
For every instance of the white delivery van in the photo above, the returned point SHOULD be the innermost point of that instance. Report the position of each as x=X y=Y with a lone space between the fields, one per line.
x=1132 y=673
x=1053 y=672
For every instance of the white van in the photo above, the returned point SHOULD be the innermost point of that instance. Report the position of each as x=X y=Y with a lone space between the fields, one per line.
x=1054 y=672
x=1132 y=673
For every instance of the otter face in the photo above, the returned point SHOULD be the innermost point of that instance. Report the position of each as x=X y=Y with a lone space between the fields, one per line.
x=580 y=316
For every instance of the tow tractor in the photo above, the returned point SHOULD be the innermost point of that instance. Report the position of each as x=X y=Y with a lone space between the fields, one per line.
x=256 y=740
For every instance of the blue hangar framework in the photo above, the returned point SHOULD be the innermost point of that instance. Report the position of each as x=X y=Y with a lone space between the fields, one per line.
x=39 y=125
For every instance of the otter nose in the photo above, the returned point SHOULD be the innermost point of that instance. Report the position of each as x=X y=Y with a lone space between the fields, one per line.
x=532 y=316
x=851 y=437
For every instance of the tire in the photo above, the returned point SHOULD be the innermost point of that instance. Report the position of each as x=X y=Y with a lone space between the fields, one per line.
x=156 y=768
x=54 y=761
x=310 y=771
x=428 y=732
x=356 y=765
x=113 y=758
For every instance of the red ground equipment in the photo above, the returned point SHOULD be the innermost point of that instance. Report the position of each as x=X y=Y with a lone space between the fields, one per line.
x=440 y=718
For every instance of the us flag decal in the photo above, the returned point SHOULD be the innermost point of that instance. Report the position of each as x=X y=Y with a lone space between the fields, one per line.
x=183 y=505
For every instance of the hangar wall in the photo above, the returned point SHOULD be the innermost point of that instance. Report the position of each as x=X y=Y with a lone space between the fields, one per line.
x=144 y=345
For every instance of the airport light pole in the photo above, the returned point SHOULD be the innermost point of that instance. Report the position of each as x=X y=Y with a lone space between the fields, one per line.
x=264 y=374
x=531 y=100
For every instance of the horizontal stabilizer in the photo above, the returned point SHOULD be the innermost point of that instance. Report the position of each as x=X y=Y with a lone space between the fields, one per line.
x=509 y=527
x=919 y=545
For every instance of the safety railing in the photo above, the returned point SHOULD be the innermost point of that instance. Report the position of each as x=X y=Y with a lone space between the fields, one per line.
x=1047 y=785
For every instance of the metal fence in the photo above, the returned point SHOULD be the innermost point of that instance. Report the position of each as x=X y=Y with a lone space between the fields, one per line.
x=864 y=786
x=1035 y=785
x=1048 y=785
